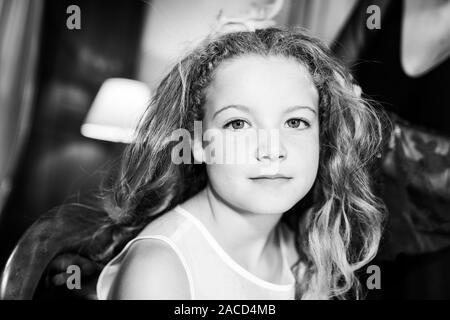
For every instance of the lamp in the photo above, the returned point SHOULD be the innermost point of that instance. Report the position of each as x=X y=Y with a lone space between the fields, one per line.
x=116 y=110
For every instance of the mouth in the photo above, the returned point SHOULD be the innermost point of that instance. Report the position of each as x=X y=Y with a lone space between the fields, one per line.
x=271 y=177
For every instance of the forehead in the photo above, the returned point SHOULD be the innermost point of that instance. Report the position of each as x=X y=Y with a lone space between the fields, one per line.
x=262 y=80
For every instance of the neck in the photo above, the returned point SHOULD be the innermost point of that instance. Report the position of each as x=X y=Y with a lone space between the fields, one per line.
x=249 y=236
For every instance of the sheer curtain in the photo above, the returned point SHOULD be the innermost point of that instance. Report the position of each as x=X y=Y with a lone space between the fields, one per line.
x=323 y=18
x=19 y=42
x=172 y=26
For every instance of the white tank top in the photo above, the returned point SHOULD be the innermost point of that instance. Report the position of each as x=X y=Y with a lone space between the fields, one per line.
x=211 y=272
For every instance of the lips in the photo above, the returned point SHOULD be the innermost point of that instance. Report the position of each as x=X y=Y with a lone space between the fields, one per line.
x=271 y=177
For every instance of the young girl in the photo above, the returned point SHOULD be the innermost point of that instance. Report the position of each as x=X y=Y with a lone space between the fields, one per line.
x=294 y=221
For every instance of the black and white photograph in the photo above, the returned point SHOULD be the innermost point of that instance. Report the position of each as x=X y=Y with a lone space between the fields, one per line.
x=241 y=152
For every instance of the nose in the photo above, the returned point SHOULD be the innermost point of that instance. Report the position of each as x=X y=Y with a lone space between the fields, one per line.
x=270 y=147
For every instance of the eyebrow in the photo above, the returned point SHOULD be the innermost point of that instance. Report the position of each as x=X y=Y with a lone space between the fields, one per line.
x=247 y=109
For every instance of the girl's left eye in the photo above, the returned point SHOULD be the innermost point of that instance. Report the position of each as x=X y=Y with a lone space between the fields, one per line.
x=296 y=123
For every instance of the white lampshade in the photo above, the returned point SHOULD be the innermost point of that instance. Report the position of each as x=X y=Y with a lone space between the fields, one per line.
x=116 y=110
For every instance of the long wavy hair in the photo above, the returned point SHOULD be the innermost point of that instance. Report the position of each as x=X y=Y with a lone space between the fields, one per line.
x=337 y=226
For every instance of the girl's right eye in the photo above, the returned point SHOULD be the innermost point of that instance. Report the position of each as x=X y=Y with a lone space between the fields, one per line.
x=237 y=124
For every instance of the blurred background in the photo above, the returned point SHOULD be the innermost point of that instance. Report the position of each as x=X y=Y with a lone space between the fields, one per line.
x=74 y=76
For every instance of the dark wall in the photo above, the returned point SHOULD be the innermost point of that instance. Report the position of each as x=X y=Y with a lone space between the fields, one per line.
x=59 y=164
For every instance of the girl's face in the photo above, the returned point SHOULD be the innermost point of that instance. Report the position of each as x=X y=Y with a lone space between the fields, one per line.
x=266 y=109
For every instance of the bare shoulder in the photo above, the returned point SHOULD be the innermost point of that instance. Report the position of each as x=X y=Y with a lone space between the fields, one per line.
x=151 y=270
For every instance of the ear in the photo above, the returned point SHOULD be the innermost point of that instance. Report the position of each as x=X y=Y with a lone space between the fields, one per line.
x=197 y=150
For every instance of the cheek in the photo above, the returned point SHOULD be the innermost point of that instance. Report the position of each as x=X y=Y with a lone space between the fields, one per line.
x=229 y=181
x=225 y=173
x=303 y=155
